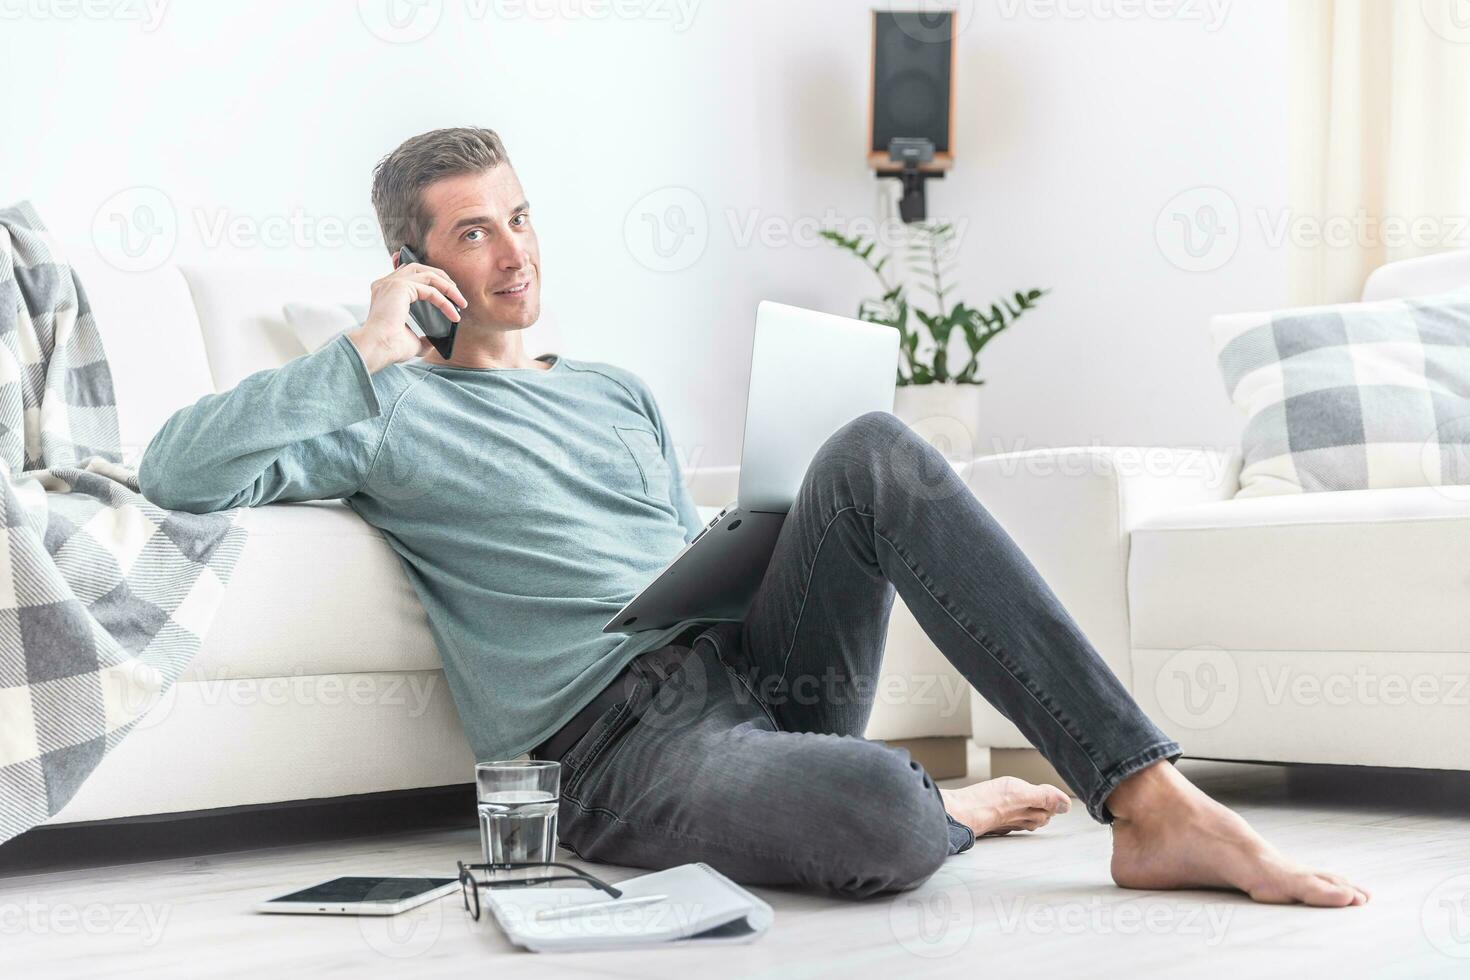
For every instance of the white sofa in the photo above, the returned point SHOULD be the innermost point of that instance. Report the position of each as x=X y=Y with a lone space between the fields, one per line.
x=318 y=678
x=1314 y=628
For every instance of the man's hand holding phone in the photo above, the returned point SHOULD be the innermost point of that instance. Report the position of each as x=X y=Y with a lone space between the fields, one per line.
x=385 y=337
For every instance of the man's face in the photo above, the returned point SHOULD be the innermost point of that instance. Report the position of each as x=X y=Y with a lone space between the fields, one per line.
x=480 y=233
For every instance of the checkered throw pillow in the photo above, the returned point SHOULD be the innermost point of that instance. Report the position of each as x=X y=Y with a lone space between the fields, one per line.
x=1351 y=397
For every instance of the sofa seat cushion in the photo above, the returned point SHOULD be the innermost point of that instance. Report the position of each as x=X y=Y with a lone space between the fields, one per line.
x=316 y=591
x=1364 y=570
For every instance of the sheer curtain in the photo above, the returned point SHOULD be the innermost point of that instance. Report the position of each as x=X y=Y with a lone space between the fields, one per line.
x=1380 y=140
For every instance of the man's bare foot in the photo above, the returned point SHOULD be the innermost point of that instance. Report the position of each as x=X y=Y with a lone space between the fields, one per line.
x=1169 y=834
x=999 y=806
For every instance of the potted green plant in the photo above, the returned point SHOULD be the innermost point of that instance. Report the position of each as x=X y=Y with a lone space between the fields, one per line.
x=939 y=359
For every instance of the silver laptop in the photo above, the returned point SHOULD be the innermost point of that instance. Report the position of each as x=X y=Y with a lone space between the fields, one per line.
x=810 y=374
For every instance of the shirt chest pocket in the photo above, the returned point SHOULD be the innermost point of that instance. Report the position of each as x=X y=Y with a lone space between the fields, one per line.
x=646 y=459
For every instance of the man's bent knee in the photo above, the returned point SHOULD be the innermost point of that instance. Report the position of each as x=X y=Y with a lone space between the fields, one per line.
x=870 y=431
x=896 y=833
x=855 y=452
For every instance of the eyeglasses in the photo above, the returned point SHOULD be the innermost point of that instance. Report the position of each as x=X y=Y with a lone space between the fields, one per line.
x=469 y=886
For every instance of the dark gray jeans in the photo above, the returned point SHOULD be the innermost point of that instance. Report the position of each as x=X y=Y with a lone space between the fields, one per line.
x=750 y=757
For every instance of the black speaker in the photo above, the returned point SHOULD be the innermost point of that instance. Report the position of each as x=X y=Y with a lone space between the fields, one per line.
x=913 y=86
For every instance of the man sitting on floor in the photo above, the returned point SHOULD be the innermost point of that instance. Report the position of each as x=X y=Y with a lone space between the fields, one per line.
x=529 y=499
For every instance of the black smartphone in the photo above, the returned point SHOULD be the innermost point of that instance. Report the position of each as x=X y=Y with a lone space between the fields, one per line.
x=427 y=318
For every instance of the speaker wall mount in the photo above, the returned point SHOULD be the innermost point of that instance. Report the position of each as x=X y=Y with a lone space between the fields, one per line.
x=911 y=102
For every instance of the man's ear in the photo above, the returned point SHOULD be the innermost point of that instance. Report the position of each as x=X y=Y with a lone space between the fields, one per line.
x=397 y=259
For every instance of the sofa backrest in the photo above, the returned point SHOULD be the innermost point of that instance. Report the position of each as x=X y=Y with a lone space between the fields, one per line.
x=154 y=346
x=245 y=330
x=1419 y=277
x=174 y=335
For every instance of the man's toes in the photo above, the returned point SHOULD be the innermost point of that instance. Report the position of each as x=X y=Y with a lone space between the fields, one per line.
x=1360 y=893
x=1045 y=797
x=1317 y=890
x=1039 y=817
x=1032 y=818
x=1057 y=799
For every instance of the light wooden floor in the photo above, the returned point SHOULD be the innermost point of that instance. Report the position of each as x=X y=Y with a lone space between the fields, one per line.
x=1033 y=907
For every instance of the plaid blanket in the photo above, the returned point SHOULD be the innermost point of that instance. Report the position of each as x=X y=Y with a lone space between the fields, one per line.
x=104 y=598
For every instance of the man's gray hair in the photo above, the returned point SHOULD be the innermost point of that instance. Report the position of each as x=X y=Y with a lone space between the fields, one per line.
x=400 y=177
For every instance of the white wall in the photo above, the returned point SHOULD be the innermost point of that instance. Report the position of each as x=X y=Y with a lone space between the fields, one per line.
x=1075 y=128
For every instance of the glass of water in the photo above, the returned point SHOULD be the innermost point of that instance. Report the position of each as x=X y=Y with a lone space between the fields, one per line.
x=517 y=801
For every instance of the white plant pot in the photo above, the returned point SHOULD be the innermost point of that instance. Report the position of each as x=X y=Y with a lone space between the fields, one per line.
x=946 y=415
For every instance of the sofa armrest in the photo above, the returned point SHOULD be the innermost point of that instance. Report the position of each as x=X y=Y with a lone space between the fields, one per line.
x=1070 y=511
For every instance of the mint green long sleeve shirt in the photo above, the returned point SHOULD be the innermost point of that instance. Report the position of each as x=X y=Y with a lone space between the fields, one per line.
x=527 y=506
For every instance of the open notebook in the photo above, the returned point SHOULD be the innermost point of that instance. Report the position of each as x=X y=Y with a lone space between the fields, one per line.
x=701 y=906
